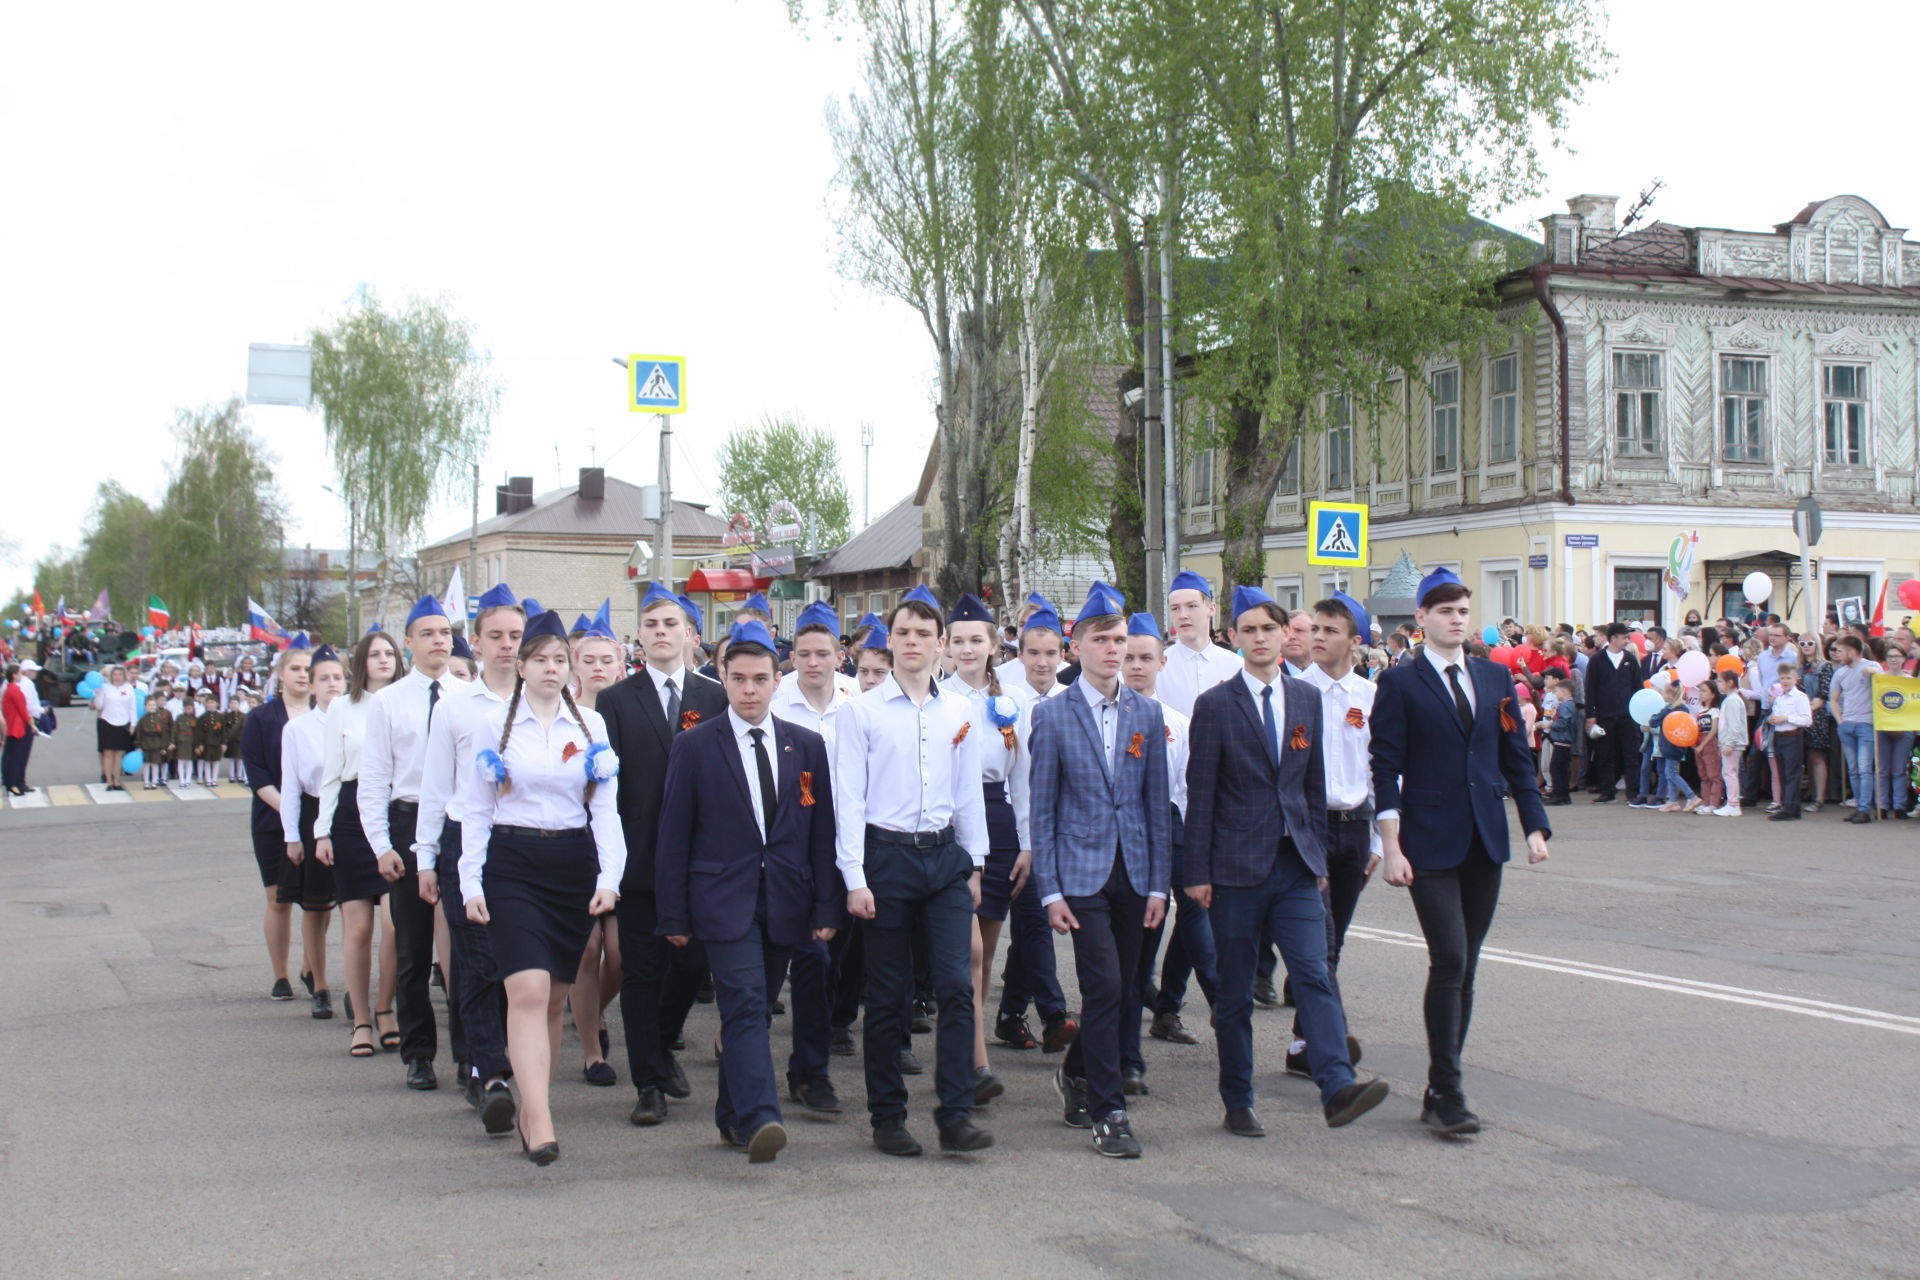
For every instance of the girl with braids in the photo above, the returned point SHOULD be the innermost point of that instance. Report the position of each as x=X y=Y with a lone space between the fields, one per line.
x=599 y=662
x=340 y=843
x=542 y=854
x=1002 y=723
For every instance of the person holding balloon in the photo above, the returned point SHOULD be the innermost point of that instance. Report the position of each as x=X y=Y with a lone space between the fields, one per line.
x=1674 y=730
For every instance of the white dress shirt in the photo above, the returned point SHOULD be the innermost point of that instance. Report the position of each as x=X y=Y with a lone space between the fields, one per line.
x=1191 y=672
x=115 y=703
x=1106 y=714
x=790 y=703
x=394 y=749
x=547 y=791
x=846 y=684
x=1796 y=707
x=906 y=767
x=345 y=725
x=1024 y=692
x=455 y=736
x=999 y=760
x=1347 y=748
x=302 y=764
x=1440 y=666
x=660 y=678
x=1179 y=729
x=1011 y=673
x=743 y=742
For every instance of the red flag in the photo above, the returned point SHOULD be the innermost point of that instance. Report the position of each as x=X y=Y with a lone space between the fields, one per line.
x=37 y=606
x=1879 y=627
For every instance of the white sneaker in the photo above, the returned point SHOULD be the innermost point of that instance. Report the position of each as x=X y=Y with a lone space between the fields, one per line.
x=1730 y=811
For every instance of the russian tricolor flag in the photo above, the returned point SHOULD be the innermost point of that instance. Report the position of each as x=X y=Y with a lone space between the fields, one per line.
x=261 y=626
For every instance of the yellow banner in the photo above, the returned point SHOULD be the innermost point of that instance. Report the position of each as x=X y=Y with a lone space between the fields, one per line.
x=1896 y=703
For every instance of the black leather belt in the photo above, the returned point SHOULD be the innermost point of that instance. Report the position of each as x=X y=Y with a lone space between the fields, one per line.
x=910 y=839
x=405 y=806
x=1362 y=814
x=994 y=790
x=537 y=833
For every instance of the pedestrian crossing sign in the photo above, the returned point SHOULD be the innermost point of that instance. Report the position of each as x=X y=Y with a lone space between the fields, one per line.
x=1338 y=533
x=657 y=384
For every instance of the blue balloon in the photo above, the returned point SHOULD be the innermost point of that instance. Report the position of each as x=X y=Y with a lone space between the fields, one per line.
x=139 y=702
x=132 y=762
x=1490 y=634
x=1643 y=705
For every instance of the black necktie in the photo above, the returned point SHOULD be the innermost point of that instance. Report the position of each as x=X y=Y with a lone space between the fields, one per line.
x=673 y=708
x=764 y=767
x=1460 y=702
x=1273 y=730
x=433 y=700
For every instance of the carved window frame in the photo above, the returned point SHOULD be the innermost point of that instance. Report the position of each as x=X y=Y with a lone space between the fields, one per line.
x=1847 y=346
x=1746 y=341
x=1638 y=335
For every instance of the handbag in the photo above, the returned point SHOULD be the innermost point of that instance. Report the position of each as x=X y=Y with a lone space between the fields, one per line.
x=46 y=723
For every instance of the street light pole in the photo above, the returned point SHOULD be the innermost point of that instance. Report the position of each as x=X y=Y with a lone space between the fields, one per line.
x=663 y=544
x=866 y=474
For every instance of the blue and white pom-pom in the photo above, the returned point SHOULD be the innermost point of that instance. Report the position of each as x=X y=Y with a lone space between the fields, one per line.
x=491 y=766
x=601 y=763
x=1004 y=711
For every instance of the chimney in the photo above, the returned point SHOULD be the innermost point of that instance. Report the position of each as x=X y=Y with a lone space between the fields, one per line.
x=1564 y=238
x=593 y=482
x=1596 y=212
x=515 y=495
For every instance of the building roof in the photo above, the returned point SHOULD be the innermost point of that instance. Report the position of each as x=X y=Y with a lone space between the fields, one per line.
x=888 y=543
x=564 y=513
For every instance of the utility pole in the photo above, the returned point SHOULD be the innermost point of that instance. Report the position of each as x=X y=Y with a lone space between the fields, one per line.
x=473 y=544
x=1153 y=447
x=866 y=476
x=1170 y=466
x=663 y=547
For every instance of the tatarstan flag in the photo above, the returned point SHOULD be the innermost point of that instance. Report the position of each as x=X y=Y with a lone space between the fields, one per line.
x=157 y=612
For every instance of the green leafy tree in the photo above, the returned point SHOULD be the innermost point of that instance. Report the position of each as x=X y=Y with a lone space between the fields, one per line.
x=780 y=459
x=408 y=397
x=118 y=550
x=218 y=531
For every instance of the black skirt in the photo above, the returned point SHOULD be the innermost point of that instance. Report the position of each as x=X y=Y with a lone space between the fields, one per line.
x=1003 y=850
x=307 y=884
x=112 y=737
x=356 y=869
x=538 y=889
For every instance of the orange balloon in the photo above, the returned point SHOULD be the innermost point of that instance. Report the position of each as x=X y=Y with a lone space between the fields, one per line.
x=1682 y=730
x=1730 y=662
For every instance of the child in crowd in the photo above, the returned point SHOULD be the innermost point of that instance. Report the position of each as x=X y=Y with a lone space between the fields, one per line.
x=1730 y=735
x=237 y=710
x=1706 y=752
x=154 y=736
x=213 y=736
x=186 y=741
x=1563 y=730
x=1668 y=755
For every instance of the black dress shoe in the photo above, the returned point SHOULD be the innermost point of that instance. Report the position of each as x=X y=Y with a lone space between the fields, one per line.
x=1241 y=1122
x=815 y=1095
x=1297 y=1062
x=1354 y=1101
x=894 y=1139
x=1013 y=1033
x=649 y=1109
x=676 y=1085
x=923 y=1015
x=705 y=994
x=779 y=1008
x=840 y=1043
x=1783 y=816
x=322 y=1004
x=1605 y=799
x=732 y=1138
x=496 y=1109
x=1860 y=818
x=766 y=1143
x=420 y=1076
x=1264 y=994
x=1447 y=1114
x=909 y=1065
x=475 y=1098
x=1133 y=1082
x=986 y=1086
x=438 y=979
x=1113 y=1137
x=1168 y=1027
x=1286 y=991
x=1059 y=1033
x=678 y=1045
x=965 y=1136
x=282 y=990
x=1073 y=1100
x=601 y=1073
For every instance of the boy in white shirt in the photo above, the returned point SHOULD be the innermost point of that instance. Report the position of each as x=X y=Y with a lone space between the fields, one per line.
x=1791 y=715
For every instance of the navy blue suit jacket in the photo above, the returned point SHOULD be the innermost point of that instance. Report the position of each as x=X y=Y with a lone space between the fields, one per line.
x=709 y=856
x=1447 y=784
x=1079 y=816
x=1236 y=802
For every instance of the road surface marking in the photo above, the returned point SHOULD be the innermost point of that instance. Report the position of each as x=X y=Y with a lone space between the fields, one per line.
x=1876 y=1018
x=100 y=794
x=32 y=800
x=189 y=791
x=67 y=795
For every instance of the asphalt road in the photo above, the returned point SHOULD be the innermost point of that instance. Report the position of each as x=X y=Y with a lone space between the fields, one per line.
x=1696 y=1052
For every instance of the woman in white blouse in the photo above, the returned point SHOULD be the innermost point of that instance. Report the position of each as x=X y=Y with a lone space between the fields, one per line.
x=308 y=882
x=542 y=854
x=113 y=731
x=339 y=843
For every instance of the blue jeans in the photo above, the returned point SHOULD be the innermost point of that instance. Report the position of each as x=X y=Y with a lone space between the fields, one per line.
x=1856 y=746
x=1648 y=769
x=1287 y=905
x=748 y=1096
x=1896 y=759
x=1672 y=785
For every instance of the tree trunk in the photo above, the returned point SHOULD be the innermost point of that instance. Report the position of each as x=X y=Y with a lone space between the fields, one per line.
x=1252 y=473
x=1127 y=529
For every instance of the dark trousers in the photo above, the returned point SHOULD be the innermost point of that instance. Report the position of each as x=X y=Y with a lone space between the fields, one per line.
x=848 y=976
x=476 y=1000
x=748 y=1096
x=1287 y=906
x=925 y=888
x=1790 y=750
x=412 y=943
x=1617 y=755
x=1190 y=953
x=1558 y=766
x=13 y=760
x=1106 y=956
x=1032 y=975
x=1455 y=908
x=658 y=983
x=1349 y=847
x=811 y=967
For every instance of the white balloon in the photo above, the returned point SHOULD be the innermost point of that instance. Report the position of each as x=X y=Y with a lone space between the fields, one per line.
x=1758 y=586
x=1693 y=668
x=1661 y=679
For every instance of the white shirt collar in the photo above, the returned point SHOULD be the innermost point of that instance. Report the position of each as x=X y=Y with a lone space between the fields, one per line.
x=1441 y=664
x=1256 y=686
x=660 y=678
x=741 y=728
x=890 y=688
x=526 y=713
x=1094 y=697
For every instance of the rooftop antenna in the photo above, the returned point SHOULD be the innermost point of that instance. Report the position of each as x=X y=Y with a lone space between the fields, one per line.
x=1640 y=206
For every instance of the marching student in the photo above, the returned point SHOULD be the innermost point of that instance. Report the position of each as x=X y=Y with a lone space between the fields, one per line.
x=1001 y=723
x=1013 y=671
x=1041 y=647
x=1255 y=852
x=875 y=662
x=460 y=731
x=1100 y=825
x=1447 y=748
x=542 y=853
x=1190 y=951
x=658 y=982
x=391 y=757
x=154 y=736
x=1194 y=662
x=306 y=882
x=460 y=663
x=912 y=842
x=260 y=747
x=599 y=663
x=340 y=842
x=745 y=863
x=1353 y=845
